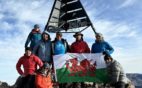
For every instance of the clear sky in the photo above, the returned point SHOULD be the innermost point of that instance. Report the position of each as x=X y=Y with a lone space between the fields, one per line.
x=118 y=20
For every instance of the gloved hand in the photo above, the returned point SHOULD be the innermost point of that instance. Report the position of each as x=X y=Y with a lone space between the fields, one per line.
x=112 y=83
x=105 y=53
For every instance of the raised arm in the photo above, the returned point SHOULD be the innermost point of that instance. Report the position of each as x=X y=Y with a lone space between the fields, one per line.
x=28 y=40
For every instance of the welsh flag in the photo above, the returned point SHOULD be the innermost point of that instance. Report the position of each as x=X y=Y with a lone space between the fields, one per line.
x=74 y=67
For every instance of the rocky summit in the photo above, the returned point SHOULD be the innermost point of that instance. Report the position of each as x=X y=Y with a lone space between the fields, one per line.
x=4 y=85
x=135 y=78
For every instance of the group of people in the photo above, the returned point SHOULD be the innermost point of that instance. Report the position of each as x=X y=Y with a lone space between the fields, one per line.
x=41 y=51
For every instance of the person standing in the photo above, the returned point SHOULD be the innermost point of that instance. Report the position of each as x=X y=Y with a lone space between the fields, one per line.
x=60 y=46
x=29 y=62
x=33 y=37
x=79 y=46
x=43 y=48
x=101 y=46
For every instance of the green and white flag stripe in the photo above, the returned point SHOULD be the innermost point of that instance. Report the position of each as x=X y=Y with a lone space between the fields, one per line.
x=74 y=67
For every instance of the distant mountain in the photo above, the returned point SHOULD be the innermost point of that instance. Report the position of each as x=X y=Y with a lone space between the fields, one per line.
x=136 y=79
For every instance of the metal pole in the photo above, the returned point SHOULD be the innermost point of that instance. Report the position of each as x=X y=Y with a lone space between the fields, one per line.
x=93 y=29
x=50 y=16
x=89 y=19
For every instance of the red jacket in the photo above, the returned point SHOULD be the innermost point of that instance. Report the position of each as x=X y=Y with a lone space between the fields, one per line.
x=80 y=47
x=43 y=81
x=29 y=64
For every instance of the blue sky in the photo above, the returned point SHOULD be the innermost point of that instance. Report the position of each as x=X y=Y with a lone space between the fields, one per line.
x=118 y=20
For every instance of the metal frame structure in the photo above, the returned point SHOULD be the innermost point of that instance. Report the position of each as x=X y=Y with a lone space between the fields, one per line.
x=65 y=12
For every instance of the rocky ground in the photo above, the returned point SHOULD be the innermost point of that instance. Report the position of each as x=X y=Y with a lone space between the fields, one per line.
x=135 y=78
x=4 y=85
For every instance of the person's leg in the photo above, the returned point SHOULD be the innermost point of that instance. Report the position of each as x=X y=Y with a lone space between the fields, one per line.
x=69 y=85
x=82 y=85
x=27 y=83
x=60 y=85
x=63 y=85
x=22 y=83
x=95 y=85
x=120 y=85
x=31 y=81
x=76 y=85
x=18 y=82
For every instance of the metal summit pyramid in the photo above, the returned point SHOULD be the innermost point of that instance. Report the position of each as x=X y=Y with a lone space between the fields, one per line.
x=68 y=16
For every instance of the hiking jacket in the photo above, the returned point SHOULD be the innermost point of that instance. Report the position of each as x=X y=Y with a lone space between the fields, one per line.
x=80 y=47
x=43 y=81
x=29 y=64
x=56 y=50
x=115 y=72
x=100 y=47
x=43 y=50
x=33 y=38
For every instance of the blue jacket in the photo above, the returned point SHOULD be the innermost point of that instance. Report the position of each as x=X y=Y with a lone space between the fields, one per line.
x=43 y=50
x=60 y=47
x=100 y=47
x=33 y=38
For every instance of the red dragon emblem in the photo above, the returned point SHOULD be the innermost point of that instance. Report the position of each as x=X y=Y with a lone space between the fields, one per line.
x=82 y=68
